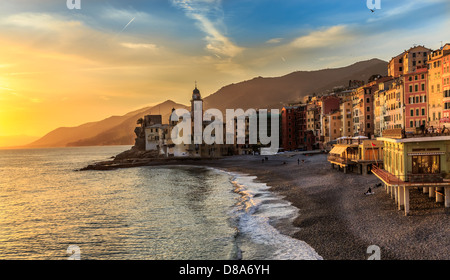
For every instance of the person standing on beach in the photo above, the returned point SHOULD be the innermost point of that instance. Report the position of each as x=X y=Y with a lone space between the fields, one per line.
x=298 y=161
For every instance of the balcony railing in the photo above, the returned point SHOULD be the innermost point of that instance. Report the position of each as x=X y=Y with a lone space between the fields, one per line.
x=399 y=179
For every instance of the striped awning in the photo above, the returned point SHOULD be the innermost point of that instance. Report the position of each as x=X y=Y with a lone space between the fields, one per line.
x=426 y=154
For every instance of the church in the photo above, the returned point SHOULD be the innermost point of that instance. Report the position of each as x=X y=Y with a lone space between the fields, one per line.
x=158 y=135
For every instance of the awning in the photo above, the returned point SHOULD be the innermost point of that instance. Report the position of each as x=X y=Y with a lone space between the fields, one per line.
x=426 y=154
x=339 y=150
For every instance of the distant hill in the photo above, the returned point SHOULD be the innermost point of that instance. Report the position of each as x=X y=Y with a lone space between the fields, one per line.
x=267 y=93
x=262 y=92
x=115 y=130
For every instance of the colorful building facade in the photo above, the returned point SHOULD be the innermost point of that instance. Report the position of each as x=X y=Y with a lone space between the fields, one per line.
x=416 y=99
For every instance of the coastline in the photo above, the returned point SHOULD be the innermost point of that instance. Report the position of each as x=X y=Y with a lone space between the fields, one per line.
x=335 y=217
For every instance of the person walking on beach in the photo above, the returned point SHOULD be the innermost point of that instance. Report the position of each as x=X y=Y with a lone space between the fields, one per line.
x=298 y=161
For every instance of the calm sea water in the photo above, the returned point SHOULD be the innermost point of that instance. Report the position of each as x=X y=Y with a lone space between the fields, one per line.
x=177 y=212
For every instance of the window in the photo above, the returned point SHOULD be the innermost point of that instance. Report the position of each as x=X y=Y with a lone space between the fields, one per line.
x=410 y=89
x=426 y=164
x=368 y=125
x=417 y=112
x=412 y=113
x=423 y=87
x=423 y=111
x=368 y=109
x=416 y=88
x=411 y=124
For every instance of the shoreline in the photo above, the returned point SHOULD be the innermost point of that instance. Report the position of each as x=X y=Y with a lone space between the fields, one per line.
x=335 y=217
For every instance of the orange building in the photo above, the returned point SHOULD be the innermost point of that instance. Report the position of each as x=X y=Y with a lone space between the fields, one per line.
x=436 y=104
x=415 y=57
x=408 y=61
x=395 y=66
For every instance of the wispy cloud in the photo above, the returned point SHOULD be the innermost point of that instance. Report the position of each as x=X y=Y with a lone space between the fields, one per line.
x=152 y=47
x=200 y=10
x=274 y=41
x=323 y=38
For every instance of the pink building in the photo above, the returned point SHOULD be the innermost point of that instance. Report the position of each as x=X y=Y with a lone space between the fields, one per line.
x=416 y=98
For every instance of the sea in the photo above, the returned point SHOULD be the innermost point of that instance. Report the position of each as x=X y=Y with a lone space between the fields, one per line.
x=49 y=210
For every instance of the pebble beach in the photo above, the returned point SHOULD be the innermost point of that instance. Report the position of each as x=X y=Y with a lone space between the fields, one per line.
x=338 y=220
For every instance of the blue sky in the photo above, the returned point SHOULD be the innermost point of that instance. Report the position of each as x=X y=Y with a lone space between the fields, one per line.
x=128 y=54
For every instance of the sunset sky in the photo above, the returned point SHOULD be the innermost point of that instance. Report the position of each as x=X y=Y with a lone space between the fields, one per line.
x=61 y=67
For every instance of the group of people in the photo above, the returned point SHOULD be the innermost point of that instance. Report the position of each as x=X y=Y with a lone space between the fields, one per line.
x=298 y=160
x=431 y=129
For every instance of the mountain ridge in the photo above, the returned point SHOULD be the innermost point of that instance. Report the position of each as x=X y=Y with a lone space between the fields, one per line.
x=258 y=92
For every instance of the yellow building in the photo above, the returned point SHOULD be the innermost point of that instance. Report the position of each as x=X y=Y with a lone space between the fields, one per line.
x=332 y=126
x=436 y=104
x=346 y=109
x=394 y=101
x=415 y=161
x=356 y=152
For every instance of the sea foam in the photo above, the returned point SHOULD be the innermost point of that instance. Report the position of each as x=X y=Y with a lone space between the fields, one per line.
x=257 y=209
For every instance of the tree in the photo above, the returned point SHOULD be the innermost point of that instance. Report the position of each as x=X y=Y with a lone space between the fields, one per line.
x=140 y=121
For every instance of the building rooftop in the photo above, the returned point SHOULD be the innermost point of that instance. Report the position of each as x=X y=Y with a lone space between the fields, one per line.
x=399 y=136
